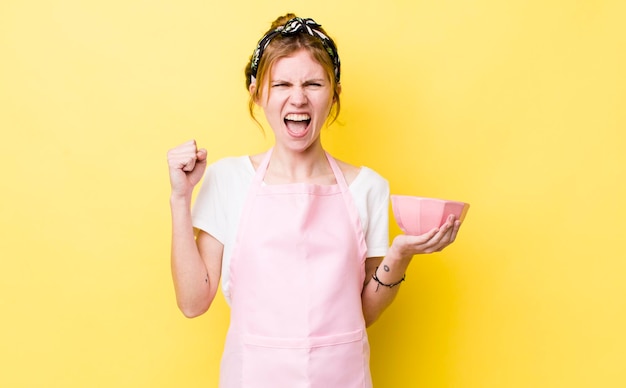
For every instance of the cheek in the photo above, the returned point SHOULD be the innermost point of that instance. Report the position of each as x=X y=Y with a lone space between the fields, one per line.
x=329 y=103
x=324 y=100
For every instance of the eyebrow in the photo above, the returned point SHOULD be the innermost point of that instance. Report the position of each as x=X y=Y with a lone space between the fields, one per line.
x=306 y=80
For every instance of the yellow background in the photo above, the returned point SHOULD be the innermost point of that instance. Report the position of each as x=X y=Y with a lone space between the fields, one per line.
x=517 y=107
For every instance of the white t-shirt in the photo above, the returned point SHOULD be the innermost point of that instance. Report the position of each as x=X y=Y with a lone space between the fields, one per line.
x=219 y=204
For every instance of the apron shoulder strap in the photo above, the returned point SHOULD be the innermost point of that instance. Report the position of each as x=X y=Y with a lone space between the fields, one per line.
x=339 y=177
x=260 y=171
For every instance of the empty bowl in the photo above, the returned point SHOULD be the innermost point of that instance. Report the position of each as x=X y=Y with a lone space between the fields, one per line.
x=418 y=215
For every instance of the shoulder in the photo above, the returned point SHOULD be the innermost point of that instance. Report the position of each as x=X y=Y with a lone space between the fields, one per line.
x=233 y=166
x=363 y=178
x=371 y=178
x=256 y=159
x=227 y=174
x=371 y=186
x=230 y=163
x=350 y=172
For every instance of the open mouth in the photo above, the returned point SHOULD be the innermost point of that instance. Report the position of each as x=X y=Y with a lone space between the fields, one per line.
x=297 y=124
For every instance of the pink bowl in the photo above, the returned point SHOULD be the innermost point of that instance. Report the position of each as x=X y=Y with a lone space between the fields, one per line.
x=418 y=215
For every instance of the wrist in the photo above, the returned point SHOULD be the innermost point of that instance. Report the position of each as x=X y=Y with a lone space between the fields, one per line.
x=180 y=201
x=397 y=255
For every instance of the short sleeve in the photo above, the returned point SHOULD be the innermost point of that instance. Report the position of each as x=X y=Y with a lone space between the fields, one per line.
x=219 y=202
x=371 y=195
x=207 y=214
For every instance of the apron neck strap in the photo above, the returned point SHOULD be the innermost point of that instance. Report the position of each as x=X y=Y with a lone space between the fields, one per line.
x=341 y=180
x=262 y=169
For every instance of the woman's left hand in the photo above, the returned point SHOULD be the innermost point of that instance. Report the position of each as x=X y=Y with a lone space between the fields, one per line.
x=435 y=240
x=396 y=262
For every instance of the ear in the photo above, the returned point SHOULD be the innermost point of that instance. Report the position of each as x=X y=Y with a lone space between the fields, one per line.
x=252 y=90
x=338 y=89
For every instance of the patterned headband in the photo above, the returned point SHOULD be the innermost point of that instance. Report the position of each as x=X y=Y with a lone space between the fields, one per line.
x=292 y=27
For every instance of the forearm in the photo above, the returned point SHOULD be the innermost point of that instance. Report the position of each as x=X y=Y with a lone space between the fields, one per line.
x=189 y=272
x=376 y=297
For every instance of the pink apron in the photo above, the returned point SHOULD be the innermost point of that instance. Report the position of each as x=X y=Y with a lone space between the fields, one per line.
x=297 y=273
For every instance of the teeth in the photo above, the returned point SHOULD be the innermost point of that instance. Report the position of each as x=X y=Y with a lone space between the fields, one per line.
x=297 y=117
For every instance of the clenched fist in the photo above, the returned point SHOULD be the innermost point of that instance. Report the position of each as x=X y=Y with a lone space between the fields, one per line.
x=187 y=164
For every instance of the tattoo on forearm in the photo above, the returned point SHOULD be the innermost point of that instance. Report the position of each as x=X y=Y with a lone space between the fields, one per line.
x=206 y=279
x=388 y=285
x=386 y=268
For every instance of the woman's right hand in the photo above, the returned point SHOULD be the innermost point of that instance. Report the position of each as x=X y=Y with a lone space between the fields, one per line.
x=187 y=164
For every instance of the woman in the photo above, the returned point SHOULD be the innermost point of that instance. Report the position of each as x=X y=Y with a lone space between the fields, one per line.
x=298 y=239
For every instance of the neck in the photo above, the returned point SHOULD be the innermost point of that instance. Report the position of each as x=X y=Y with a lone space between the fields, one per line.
x=308 y=166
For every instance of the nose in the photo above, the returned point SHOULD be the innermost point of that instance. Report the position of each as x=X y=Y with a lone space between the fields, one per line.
x=298 y=97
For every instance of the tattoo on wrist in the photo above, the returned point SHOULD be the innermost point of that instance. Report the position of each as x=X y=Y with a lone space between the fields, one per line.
x=386 y=268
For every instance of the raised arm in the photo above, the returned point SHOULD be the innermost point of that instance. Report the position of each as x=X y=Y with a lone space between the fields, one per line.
x=389 y=271
x=195 y=257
